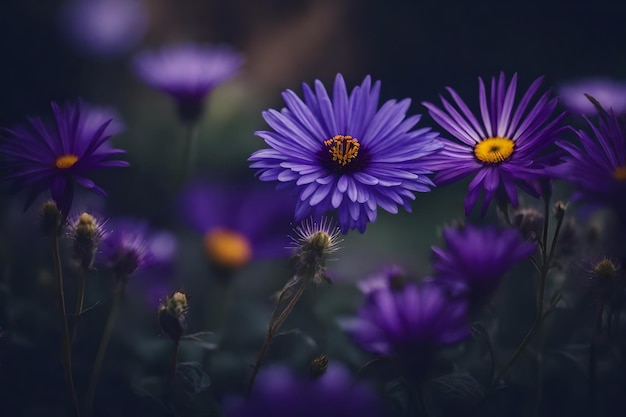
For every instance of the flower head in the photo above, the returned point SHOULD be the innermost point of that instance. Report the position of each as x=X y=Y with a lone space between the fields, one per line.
x=409 y=323
x=86 y=233
x=172 y=314
x=188 y=72
x=103 y=28
x=127 y=247
x=597 y=166
x=279 y=393
x=346 y=154
x=610 y=93
x=239 y=223
x=502 y=151
x=53 y=156
x=476 y=258
x=315 y=241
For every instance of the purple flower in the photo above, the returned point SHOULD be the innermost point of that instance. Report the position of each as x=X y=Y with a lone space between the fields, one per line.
x=390 y=277
x=126 y=248
x=346 y=154
x=502 y=151
x=409 y=323
x=103 y=28
x=188 y=72
x=597 y=168
x=476 y=258
x=278 y=393
x=53 y=156
x=610 y=93
x=238 y=223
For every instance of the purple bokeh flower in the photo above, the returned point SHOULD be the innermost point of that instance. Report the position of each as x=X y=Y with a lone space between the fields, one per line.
x=597 y=168
x=103 y=28
x=239 y=223
x=504 y=148
x=392 y=276
x=610 y=93
x=53 y=156
x=279 y=393
x=346 y=154
x=409 y=324
x=188 y=73
x=476 y=258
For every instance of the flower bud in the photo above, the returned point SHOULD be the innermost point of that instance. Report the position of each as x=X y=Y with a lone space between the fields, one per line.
x=529 y=222
x=172 y=315
x=86 y=234
x=318 y=366
x=51 y=219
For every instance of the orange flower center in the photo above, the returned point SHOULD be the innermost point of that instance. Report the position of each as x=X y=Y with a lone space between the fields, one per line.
x=494 y=150
x=620 y=173
x=227 y=248
x=343 y=148
x=65 y=161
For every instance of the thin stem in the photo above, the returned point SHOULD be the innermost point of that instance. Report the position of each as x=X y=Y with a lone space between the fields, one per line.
x=174 y=360
x=190 y=148
x=66 y=348
x=273 y=326
x=104 y=342
x=80 y=298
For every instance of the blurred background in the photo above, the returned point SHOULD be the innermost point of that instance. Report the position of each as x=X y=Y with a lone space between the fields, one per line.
x=63 y=50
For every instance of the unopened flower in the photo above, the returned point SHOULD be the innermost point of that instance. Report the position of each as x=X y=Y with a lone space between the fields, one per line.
x=345 y=153
x=504 y=149
x=53 y=156
x=51 y=219
x=314 y=242
x=279 y=393
x=476 y=258
x=188 y=73
x=172 y=315
x=608 y=283
x=86 y=233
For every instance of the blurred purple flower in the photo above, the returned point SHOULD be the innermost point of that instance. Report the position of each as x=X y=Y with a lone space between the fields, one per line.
x=345 y=153
x=239 y=223
x=52 y=156
x=597 y=168
x=392 y=276
x=477 y=257
x=279 y=393
x=503 y=150
x=188 y=73
x=409 y=324
x=610 y=93
x=103 y=28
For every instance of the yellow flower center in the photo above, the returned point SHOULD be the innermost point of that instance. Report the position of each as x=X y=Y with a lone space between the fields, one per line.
x=227 y=248
x=343 y=148
x=66 y=161
x=620 y=173
x=494 y=150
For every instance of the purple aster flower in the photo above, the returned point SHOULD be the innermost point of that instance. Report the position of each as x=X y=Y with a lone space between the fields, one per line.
x=409 y=324
x=610 y=93
x=279 y=393
x=188 y=73
x=346 y=154
x=53 y=156
x=502 y=151
x=597 y=168
x=476 y=258
x=239 y=223
x=391 y=277
x=103 y=28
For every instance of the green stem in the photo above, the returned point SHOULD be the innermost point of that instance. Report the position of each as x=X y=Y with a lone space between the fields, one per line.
x=174 y=360
x=80 y=298
x=104 y=342
x=66 y=348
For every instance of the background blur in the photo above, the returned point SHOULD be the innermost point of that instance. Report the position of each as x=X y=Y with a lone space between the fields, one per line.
x=415 y=48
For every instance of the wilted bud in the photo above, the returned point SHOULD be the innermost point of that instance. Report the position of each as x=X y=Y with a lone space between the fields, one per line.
x=86 y=234
x=173 y=315
x=605 y=269
x=529 y=222
x=315 y=242
x=609 y=285
x=51 y=219
x=318 y=366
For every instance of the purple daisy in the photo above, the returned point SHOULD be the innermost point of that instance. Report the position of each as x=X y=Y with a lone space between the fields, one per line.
x=188 y=73
x=53 y=156
x=504 y=150
x=476 y=258
x=597 y=168
x=610 y=93
x=279 y=393
x=346 y=154
x=239 y=223
x=409 y=323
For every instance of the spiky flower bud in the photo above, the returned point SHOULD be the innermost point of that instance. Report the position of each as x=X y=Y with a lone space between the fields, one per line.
x=315 y=242
x=86 y=233
x=51 y=219
x=172 y=315
x=318 y=366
